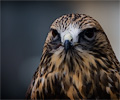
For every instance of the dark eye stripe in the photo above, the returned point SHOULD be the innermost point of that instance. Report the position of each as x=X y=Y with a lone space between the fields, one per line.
x=86 y=32
x=89 y=34
x=89 y=30
x=54 y=32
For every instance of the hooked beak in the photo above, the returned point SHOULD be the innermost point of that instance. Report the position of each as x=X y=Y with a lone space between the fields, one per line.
x=67 y=45
x=67 y=41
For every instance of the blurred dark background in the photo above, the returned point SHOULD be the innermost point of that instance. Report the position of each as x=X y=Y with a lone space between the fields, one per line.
x=24 y=29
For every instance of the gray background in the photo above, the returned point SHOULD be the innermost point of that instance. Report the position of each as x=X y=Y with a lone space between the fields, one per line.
x=24 y=28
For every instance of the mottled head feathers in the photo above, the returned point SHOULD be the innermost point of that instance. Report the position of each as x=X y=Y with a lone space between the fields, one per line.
x=77 y=62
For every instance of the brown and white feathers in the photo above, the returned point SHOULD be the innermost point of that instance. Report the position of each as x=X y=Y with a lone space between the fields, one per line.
x=77 y=62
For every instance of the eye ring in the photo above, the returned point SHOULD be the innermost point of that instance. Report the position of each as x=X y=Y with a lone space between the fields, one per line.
x=54 y=33
x=89 y=34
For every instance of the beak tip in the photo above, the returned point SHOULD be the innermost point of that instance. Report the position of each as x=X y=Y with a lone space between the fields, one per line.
x=67 y=45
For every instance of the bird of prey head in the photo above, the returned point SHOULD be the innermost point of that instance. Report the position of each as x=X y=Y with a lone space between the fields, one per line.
x=77 y=62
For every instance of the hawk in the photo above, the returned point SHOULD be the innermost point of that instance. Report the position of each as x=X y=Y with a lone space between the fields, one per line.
x=77 y=62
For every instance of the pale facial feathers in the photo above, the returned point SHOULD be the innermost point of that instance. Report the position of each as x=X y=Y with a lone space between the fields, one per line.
x=73 y=34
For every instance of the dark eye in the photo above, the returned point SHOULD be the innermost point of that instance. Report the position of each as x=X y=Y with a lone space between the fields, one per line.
x=54 y=32
x=56 y=35
x=89 y=34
